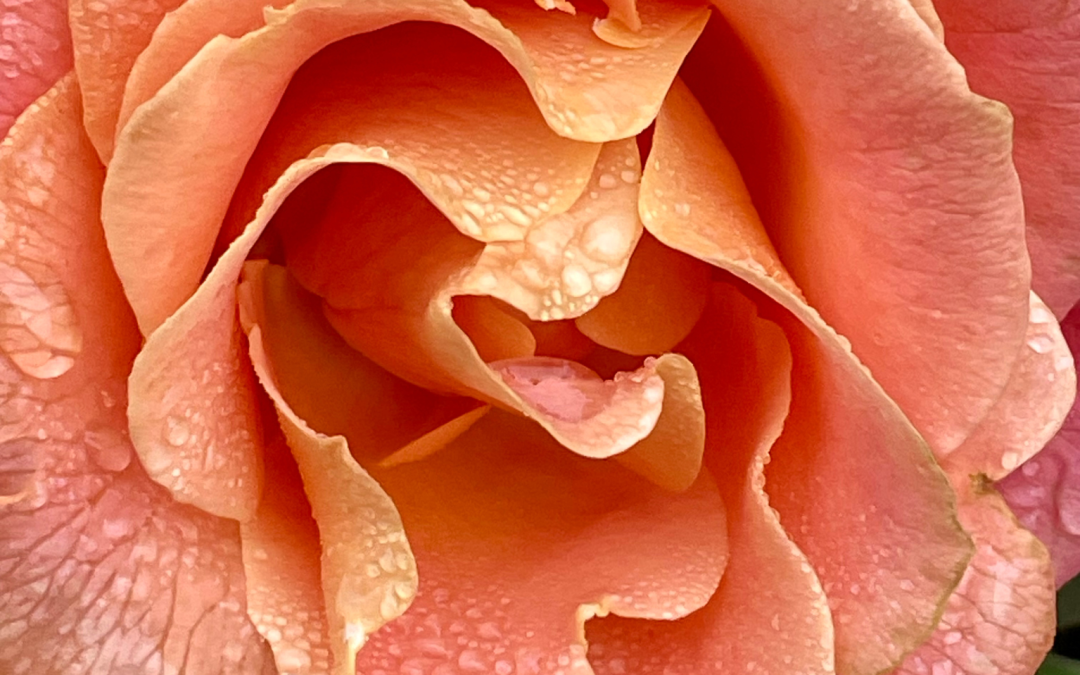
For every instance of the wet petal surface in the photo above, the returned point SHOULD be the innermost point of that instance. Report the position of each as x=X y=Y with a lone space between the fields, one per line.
x=35 y=51
x=769 y=614
x=100 y=571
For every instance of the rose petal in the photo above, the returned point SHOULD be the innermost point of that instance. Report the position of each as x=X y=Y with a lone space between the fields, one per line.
x=929 y=15
x=282 y=570
x=769 y=614
x=108 y=36
x=331 y=386
x=1000 y=620
x=239 y=81
x=99 y=569
x=1045 y=492
x=1031 y=409
x=659 y=301
x=518 y=543
x=1026 y=55
x=904 y=550
x=35 y=50
x=876 y=168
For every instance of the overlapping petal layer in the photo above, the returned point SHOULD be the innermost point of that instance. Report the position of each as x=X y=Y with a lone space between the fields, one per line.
x=519 y=542
x=35 y=51
x=770 y=613
x=108 y=37
x=1045 y=492
x=240 y=81
x=99 y=569
x=1026 y=54
x=876 y=168
x=849 y=467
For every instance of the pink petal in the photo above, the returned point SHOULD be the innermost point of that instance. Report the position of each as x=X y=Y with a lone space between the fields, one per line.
x=1026 y=54
x=1045 y=492
x=99 y=569
x=876 y=169
x=1000 y=619
x=35 y=50
x=770 y=613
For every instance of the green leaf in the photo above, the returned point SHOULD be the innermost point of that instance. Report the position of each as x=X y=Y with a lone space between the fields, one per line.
x=1068 y=605
x=1059 y=665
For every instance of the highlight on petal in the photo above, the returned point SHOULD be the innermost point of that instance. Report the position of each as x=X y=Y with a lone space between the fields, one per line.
x=1033 y=406
x=876 y=167
x=241 y=80
x=108 y=36
x=660 y=299
x=769 y=614
x=519 y=542
x=1025 y=55
x=35 y=51
x=99 y=568
x=1045 y=492
x=1000 y=619
x=819 y=479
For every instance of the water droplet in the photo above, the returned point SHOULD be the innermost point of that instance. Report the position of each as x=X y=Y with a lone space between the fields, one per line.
x=108 y=448
x=576 y=281
x=38 y=331
x=1041 y=344
x=176 y=431
x=629 y=176
x=683 y=209
x=541 y=189
x=607 y=181
x=1010 y=460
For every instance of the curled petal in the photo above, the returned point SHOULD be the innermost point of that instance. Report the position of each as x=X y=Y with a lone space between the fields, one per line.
x=770 y=613
x=820 y=479
x=876 y=167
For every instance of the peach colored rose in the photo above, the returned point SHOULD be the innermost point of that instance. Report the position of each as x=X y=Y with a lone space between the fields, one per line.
x=434 y=336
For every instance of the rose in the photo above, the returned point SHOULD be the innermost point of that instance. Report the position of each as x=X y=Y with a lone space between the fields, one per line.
x=922 y=169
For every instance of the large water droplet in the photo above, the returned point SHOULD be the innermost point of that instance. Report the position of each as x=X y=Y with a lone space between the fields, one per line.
x=177 y=431
x=108 y=448
x=38 y=331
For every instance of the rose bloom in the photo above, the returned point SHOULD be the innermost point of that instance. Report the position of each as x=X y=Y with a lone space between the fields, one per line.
x=434 y=336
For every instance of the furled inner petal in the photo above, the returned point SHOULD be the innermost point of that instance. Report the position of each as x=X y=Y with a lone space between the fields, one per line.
x=518 y=542
x=903 y=550
x=876 y=168
x=769 y=614
x=368 y=572
x=1025 y=55
x=1000 y=619
x=647 y=23
x=35 y=51
x=331 y=386
x=239 y=81
x=1039 y=394
x=660 y=299
x=560 y=266
x=100 y=570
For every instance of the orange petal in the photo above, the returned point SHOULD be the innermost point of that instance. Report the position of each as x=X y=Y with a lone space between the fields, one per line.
x=1025 y=54
x=1000 y=619
x=1035 y=402
x=35 y=51
x=368 y=571
x=282 y=570
x=647 y=23
x=241 y=80
x=518 y=543
x=331 y=386
x=819 y=480
x=656 y=305
x=108 y=37
x=769 y=614
x=388 y=292
x=930 y=17
x=877 y=173
x=101 y=569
